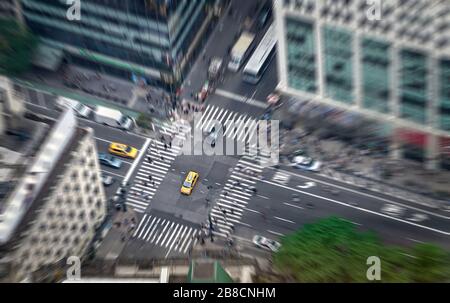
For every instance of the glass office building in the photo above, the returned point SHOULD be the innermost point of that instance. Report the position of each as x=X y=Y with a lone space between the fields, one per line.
x=133 y=39
x=395 y=70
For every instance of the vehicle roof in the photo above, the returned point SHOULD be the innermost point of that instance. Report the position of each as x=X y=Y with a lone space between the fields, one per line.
x=243 y=43
x=106 y=111
x=191 y=175
x=119 y=145
x=68 y=101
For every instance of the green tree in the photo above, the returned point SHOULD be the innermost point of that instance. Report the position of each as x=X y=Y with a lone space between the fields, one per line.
x=333 y=250
x=144 y=121
x=430 y=263
x=17 y=46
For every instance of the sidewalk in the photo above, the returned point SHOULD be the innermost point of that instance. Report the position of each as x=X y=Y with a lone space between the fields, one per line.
x=92 y=88
x=361 y=167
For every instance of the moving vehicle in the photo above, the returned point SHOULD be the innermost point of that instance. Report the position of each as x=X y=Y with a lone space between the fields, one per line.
x=79 y=108
x=267 y=244
x=261 y=58
x=393 y=210
x=212 y=136
x=241 y=50
x=112 y=117
x=109 y=160
x=107 y=180
x=122 y=150
x=215 y=68
x=306 y=163
x=189 y=183
x=265 y=14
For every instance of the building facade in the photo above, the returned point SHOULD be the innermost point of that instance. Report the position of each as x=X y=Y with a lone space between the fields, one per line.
x=386 y=60
x=150 y=40
x=55 y=202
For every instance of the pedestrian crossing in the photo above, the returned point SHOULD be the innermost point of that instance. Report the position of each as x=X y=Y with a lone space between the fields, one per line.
x=238 y=190
x=152 y=170
x=167 y=234
x=245 y=129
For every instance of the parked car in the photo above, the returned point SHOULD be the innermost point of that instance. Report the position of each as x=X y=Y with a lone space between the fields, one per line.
x=267 y=244
x=107 y=180
x=306 y=163
x=110 y=161
x=79 y=108
x=392 y=210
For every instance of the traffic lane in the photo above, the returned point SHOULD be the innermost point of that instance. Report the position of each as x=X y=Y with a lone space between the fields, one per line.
x=326 y=205
x=287 y=215
x=102 y=147
x=361 y=193
x=437 y=224
x=221 y=39
x=234 y=83
x=235 y=106
x=100 y=131
x=372 y=203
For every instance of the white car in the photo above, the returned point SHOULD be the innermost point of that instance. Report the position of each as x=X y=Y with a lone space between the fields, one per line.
x=266 y=244
x=79 y=108
x=306 y=163
x=392 y=210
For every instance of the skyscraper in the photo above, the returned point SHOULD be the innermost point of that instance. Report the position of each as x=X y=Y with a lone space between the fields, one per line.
x=135 y=39
x=385 y=60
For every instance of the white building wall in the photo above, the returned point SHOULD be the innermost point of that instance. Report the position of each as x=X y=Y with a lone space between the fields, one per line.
x=66 y=223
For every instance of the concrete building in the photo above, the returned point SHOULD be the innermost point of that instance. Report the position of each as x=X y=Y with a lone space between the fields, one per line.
x=51 y=196
x=395 y=70
x=139 y=40
x=11 y=9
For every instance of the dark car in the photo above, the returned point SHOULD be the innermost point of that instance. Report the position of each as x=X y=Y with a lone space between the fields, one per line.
x=265 y=15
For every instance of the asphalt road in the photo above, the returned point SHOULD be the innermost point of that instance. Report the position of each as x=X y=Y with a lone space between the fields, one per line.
x=170 y=222
x=282 y=206
x=232 y=89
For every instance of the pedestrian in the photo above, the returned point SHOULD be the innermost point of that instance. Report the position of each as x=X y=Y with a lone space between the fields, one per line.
x=170 y=144
x=150 y=178
x=162 y=158
x=165 y=146
x=149 y=159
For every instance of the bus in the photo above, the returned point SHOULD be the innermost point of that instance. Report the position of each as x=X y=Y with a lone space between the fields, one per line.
x=240 y=51
x=261 y=58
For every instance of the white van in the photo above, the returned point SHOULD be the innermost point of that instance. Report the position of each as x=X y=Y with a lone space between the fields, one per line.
x=79 y=108
x=112 y=117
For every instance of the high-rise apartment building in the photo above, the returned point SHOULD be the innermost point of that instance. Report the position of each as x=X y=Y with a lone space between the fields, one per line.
x=153 y=40
x=385 y=60
x=52 y=199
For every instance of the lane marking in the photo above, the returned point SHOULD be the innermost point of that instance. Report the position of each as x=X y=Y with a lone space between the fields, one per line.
x=358 y=208
x=137 y=161
x=414 y=240
x=299 y=207
x=285 y=220
x=275 y=233
x=364 y=194
x=240 y=98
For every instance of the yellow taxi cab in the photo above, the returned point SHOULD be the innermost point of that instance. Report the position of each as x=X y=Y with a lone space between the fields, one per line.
x=189 y=183
x=122 y=150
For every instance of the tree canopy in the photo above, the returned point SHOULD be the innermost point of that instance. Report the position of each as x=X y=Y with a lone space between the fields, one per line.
x=333 y=250
x=17 y=46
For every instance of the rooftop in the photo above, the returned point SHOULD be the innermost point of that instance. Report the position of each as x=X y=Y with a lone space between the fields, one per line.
x=43 y=164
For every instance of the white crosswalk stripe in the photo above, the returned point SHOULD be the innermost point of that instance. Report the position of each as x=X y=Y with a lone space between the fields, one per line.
x=152 y=170
x=236 y=195
x=164 y=233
